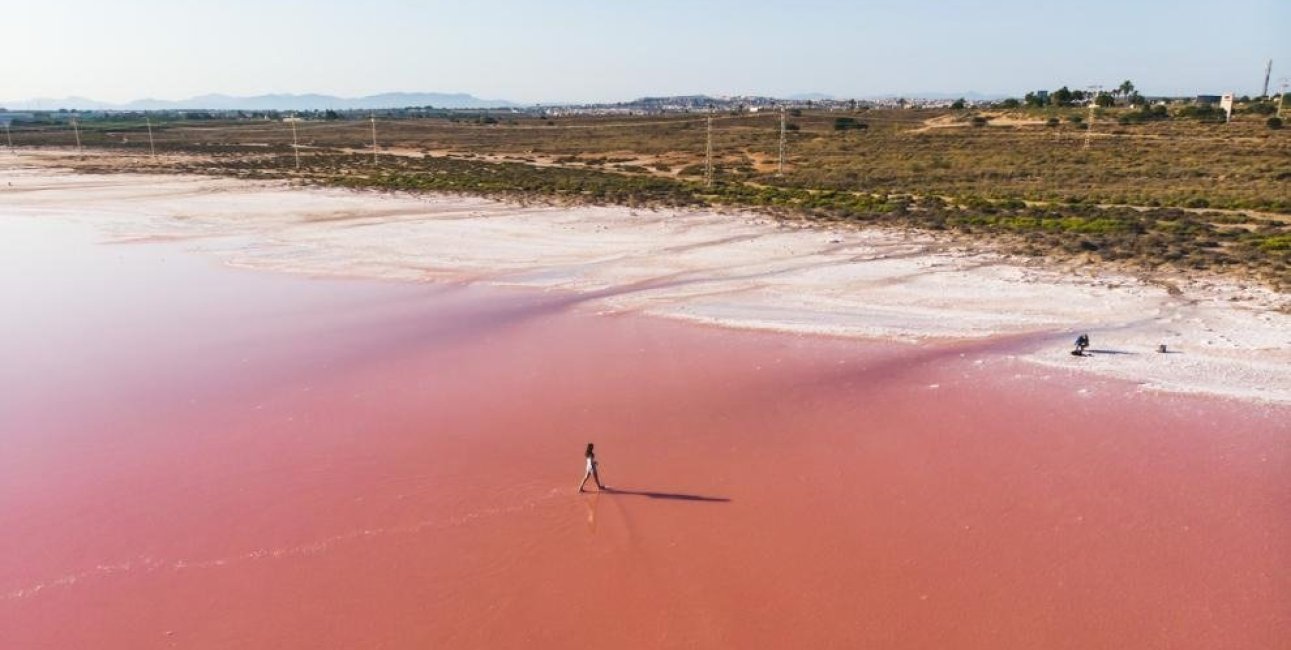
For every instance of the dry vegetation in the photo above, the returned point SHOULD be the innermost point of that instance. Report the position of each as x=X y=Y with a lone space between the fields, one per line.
x=1170 y=195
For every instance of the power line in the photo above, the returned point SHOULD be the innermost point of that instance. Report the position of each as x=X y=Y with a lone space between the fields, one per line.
x=759 y=122
x=152 y=147
x=430 y=124
x=708 y=155
x=782 y=130
x=1282 y=96
x=295 y=145
x=1094 y=91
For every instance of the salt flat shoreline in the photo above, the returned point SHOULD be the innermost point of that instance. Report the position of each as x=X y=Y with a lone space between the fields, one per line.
x=1226 y=338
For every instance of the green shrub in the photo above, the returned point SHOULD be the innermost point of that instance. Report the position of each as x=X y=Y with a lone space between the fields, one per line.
x=1202 y=113
x=849 y=124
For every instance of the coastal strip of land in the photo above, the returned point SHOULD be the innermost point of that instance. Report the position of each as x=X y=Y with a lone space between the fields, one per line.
x=1223 y=337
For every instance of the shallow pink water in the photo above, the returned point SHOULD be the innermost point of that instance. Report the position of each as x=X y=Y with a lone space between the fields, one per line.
x=198 y=457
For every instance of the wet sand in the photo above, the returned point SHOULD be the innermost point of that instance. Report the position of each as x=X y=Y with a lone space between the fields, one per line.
x=203 y=457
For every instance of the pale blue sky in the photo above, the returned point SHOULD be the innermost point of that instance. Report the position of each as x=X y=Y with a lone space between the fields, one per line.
x=584 y=50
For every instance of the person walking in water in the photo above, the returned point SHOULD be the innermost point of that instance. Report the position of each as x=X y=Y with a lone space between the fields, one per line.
x=590 y=456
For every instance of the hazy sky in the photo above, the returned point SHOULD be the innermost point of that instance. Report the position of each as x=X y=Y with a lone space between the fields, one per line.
x=585 y=50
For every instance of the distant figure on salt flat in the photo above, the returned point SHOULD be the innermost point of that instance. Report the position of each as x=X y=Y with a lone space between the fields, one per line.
x=1082 y=342
x=590 y=456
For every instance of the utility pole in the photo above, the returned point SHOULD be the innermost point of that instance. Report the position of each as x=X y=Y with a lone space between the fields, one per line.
x=708 y=152
x=152 y=147
x=782 y=130
x=1268 y=71
x=1093 y=103
x=373 y=118
x=77 y=130
x=8 y=136
x=295 y=146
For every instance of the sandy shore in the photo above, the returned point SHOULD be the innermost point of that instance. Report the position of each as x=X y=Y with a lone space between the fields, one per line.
x=745 y=271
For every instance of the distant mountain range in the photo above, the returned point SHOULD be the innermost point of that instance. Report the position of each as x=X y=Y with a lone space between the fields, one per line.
x=315 y=102
x=309 y=102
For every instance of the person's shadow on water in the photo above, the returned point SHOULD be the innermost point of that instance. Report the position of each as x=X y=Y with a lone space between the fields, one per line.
x=673 y=496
